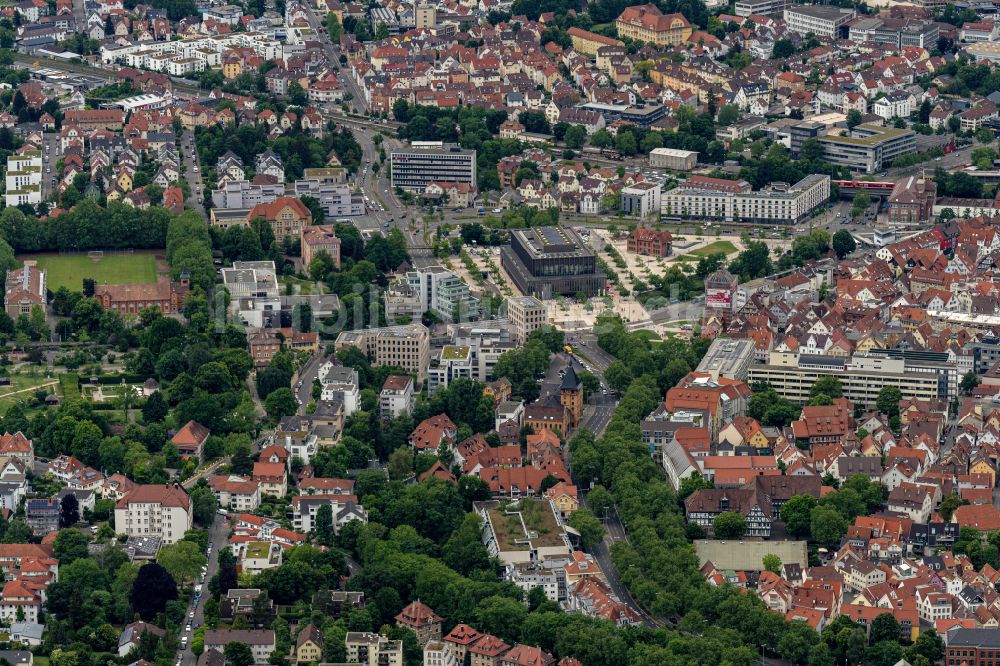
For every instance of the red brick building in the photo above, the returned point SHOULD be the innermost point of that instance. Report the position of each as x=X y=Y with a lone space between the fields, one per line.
x=912 y=200
x=165 y=295
x=650 y=243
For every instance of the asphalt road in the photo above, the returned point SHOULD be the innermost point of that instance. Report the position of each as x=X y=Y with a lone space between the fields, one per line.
x=50 y=155
x=306 y=376
x=192 y=174
x=217 y=537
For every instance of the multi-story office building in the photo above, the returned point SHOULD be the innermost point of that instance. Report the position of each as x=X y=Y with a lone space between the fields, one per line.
x=822 y=21
x=407 y=347
x=160 y=510
x=868 y=148
x=782 y=204
x=426 y=162
x=545 y=261
x=895 y=32
x=802 y=132
x=525 y=313
x=745 y=8
x=862 y=377
x=336 y=199
x=24 y=178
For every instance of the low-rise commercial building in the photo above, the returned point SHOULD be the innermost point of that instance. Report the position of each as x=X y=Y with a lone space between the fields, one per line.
x=673 y=158
x=728 y=358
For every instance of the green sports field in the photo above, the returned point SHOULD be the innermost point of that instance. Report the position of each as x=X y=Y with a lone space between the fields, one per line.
x=69 y=270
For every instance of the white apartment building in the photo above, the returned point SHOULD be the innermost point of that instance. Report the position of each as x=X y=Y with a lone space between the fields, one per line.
x=161 y=510
x=641 y=200
x=236 y=493
x=443 y=292
x=783 y=204
x=438 y=653
x=261 y=641
x=342 y=379
x=345 y=508
x=894 y=105
x=208 y=50
x=368 y=649
x=24 y=178
x=396 y=398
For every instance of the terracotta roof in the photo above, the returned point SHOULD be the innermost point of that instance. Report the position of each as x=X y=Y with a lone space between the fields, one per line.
x=192 y=434
x=162 y=494
x=417 y=615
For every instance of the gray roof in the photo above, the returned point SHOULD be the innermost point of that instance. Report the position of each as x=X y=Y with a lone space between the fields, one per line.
x=27 y=630
x=677 y=456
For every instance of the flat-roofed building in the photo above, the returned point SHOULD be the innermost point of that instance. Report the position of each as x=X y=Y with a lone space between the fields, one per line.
x=423 y=163
x=368 y=649
x=780 y=204
x=819 y=20
x=641 y=200
x=673 y=158
x=868 y=148
x=792 y=376
x=525 y=313
x=407 y=347
x=745 y=8
x=547 y=261
x=728 y=358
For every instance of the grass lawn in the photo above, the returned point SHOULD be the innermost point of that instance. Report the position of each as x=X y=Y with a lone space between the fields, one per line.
x=299 y=287
x=713 y=248
x=68 y=270
x=647 y=335
x=20 y=388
